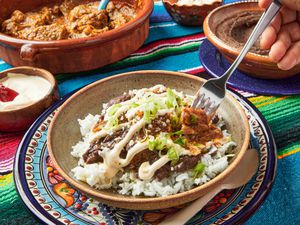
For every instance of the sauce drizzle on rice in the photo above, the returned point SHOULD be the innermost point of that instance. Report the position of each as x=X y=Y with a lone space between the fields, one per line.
x=149 y=135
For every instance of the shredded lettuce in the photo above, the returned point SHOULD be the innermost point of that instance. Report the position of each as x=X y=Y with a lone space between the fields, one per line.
x=135 y=105
x=113 y=109
x=150 y=112
x=174 y=120
x=179 y=132
x=158 y=143
x=180 y=141
x=198 y=169
x=171 y=99
x=173 y=154
x=112 y=120
x=111 y=123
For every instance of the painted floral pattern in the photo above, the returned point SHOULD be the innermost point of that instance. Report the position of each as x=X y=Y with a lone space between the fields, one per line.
x=69 y=206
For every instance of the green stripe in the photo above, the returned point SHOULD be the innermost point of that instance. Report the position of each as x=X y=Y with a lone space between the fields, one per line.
x=11 y=205
x=289 y=148
x=282 y=117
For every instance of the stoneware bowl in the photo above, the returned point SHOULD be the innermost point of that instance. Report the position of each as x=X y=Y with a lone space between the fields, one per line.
x=21 y=118
x=190 y=15
x=260 y=66
x=74 y=55
x=64 y=132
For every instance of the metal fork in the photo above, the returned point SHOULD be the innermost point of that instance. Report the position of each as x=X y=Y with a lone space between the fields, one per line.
x=213 y=91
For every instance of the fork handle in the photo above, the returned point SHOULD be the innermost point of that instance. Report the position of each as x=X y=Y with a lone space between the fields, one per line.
x=262 y=24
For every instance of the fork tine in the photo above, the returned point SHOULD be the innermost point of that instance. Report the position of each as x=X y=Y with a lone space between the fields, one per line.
x=208 y=106
x=212 y=110
x=198 y=99
x=204 y=102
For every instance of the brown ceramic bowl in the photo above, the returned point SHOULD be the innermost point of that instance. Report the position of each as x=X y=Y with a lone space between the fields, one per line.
x=74 y=55
x=260 y=66
x=21 y=118
x=190 y=15
x=64 y=132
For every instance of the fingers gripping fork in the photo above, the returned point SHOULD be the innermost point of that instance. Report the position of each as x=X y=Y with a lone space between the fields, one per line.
x=212 y=93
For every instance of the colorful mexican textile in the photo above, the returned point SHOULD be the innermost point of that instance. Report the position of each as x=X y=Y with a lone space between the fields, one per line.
x=173 y=47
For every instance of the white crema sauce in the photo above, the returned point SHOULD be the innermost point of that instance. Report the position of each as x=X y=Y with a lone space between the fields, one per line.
x=30 y=89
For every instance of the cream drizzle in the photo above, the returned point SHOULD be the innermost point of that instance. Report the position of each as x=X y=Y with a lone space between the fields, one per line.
x=147 y=171
x=112 y=158
x=137 y=148
x=112 y=162
x=103 y=133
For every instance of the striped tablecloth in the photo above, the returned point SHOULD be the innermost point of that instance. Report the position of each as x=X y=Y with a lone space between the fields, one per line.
x=173 y=47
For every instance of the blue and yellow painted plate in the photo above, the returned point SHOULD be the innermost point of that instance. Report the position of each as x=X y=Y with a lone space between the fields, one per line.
x=53 y=201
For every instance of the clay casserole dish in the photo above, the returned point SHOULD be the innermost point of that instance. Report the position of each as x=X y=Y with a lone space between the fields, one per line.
x=64 y=132
x=73 y=55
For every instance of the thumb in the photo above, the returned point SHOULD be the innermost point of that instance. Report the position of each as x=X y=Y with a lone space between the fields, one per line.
x=292 y=4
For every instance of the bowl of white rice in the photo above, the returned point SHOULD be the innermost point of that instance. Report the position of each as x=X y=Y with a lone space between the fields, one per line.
x=133 y=141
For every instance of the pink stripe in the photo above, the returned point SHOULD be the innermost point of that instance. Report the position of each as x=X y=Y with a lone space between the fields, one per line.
x=8 y=145
x=169 y=41
x=7 y=162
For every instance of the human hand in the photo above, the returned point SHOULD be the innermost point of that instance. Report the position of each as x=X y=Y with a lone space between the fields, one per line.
x=282 y=37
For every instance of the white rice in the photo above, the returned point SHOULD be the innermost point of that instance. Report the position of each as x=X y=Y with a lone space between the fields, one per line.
x=215 y=162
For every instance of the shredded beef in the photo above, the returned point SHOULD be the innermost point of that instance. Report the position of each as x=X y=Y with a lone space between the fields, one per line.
x=196 y=126
x=163 y=172
x=119 y=99
x=186 y=163
x=141 y=157
x=92 y=156
x=159 y=125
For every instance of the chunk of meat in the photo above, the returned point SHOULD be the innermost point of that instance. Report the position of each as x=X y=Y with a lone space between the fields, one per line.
x=92 y=155
x=144 y=156
x=115 y=136
x=196 y=126
x=212 y=133
x=119 y=14
x=68 y=5
x=194 y=120
x=186 y=163
x=45 y=32
x=119 y=99
x=159 y=124
x=87 y=20
x=163 y=172
x=41 y=25
x=71 y=19
x=11 y=26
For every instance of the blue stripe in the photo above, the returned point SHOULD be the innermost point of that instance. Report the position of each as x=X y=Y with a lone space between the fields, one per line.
x=172 y=63
x=4 y=66
x=159 y=14
x=166 y=30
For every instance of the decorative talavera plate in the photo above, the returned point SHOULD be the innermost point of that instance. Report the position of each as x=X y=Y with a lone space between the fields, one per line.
x=53 y=201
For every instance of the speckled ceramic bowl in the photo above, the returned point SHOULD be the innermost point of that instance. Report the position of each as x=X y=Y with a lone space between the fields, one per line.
x=21 y=118
x=260 y=66
x=189 y=15
x=64 y=133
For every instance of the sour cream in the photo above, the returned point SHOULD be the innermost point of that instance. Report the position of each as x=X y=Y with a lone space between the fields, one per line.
x=30 y=90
